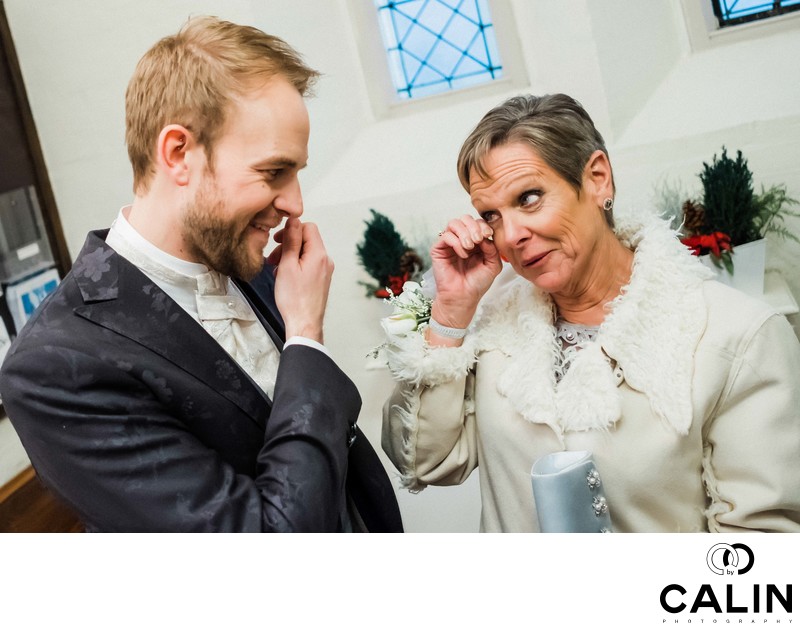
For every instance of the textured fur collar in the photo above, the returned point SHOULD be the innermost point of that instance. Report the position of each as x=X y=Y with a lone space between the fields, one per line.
x=649 y=336
x=648 y=339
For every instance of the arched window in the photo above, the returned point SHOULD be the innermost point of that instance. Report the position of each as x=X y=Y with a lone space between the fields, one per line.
x=712 y=23
x=732 y=12
x=435 y=46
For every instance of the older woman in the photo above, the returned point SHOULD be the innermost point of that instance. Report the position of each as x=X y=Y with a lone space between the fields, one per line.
x=594 y=337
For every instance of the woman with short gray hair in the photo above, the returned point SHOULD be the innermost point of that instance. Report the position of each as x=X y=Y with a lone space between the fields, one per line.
x=556 y=328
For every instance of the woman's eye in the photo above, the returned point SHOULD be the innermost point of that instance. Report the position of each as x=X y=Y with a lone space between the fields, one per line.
x=490 y=216
x=529 y=198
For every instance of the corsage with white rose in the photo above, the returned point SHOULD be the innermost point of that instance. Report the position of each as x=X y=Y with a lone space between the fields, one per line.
x=412 y=309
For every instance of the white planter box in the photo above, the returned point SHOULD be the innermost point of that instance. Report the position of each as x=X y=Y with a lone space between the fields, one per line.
x=749 y=261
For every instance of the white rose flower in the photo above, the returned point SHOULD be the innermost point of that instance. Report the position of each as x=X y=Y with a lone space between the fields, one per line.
x=409 y=295
x=411 y=286
x=399 y=323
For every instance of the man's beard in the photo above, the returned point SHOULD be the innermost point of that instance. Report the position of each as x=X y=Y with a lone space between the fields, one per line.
x=215 y=242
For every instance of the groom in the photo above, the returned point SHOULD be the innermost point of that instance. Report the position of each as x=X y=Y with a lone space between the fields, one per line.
x=175 y=381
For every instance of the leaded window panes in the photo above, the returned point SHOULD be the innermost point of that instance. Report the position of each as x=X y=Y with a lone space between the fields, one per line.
x=438 y=45
x=732 y=12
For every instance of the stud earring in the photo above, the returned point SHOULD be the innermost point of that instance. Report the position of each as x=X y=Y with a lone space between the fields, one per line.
x=608 y=204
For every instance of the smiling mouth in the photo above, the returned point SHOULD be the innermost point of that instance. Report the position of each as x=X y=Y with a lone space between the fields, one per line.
x=260 y=226
x=531 y=262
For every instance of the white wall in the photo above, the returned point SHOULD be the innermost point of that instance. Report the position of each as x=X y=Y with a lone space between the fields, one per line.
x=662 y=108
x=12 y=456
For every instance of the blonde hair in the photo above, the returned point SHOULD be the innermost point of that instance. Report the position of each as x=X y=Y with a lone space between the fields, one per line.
x=190 y=78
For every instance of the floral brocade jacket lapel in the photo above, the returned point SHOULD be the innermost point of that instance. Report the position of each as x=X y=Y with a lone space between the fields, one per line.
x=120 y=298
x=141 y=421
x=648 y=338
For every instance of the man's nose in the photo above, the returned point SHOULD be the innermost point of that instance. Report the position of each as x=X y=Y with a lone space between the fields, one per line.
x=290 y=200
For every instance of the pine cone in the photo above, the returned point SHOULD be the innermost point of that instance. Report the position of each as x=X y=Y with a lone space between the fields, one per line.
x=410 y=263
x=694 y=217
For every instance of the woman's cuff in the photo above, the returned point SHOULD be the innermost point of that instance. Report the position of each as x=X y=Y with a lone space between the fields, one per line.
x=411 y=359
x=446 y=331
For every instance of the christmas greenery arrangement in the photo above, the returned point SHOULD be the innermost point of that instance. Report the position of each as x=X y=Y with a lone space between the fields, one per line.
x=387 y=258
x=729 y=213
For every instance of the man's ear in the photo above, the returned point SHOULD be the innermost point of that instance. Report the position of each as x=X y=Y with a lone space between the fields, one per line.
x=174 y=143
x=598 y=174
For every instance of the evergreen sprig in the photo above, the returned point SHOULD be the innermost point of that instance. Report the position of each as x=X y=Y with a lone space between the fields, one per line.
x=731 y=207
x=382 y=249
x=773 y=207
x=728 y=198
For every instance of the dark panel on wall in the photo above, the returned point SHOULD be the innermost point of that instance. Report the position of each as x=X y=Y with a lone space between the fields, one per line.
x=15 y=158
x=22 y=163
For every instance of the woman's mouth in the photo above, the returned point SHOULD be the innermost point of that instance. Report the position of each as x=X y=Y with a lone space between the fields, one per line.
x=534 y=260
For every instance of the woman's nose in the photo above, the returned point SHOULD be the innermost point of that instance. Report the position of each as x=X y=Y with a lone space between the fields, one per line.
x=514 y=231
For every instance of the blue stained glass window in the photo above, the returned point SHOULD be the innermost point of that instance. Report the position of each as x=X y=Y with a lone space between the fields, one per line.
x=732 y=12
x=438 y=45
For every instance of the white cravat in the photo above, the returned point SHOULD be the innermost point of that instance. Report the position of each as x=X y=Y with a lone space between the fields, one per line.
x=230 y=320
x=218 y=305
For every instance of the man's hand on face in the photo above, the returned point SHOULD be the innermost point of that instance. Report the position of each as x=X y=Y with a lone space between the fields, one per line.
x=302 y=279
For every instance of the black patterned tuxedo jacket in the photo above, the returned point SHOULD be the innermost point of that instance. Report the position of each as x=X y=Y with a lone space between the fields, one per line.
x=140 y=421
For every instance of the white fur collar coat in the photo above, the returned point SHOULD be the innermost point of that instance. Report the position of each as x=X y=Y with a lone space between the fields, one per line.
x=650 y=335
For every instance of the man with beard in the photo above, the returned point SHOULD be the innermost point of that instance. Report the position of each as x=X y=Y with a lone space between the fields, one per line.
x=153 y=390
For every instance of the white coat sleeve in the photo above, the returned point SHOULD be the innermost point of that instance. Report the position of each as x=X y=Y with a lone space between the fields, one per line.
x=752 y=444
x=428 y=421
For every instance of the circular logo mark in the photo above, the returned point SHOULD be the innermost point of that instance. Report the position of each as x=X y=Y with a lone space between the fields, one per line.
x=723 y=556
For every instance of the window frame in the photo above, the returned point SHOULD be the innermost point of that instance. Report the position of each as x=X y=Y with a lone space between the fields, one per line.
x=752 y=17
x=383 y=96
x=704 y=31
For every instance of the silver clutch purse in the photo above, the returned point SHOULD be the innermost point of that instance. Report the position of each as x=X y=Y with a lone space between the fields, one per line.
x=568 y=493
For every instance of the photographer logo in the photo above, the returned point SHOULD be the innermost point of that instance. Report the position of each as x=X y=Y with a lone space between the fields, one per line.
x=728 y=596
